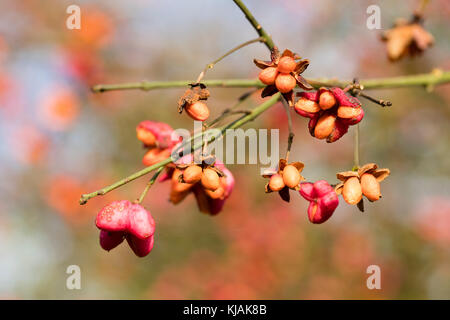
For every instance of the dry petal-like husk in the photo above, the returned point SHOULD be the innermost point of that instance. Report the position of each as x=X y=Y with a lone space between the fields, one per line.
x=381 y=174
x=192 y=95
x=367 y=168
x=288 y=53
x=269 y=91
x=360 y=205
x=301 y=66
x=302 y=82
x=346 y=174
x=284 y=194
x=338 y=188
x=262 y=64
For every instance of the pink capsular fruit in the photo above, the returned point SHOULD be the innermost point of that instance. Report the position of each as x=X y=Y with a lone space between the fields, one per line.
x=114 y=217
x=214 y=206
x=123 y=219
x=140 y=247
x=141 y=223
x=109 y=240
x=340 y=128
x=323 y=200
x=162 y=132
x=307 y=191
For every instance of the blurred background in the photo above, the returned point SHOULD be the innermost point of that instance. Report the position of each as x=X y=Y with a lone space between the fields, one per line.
x=59 y=140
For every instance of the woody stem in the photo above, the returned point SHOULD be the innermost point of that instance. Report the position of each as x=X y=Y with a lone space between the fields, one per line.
x=259 y=29
x=291 y=132
x=421 y=9
x=433 y=78
x=356 y=148
x=255 y=112
x=212 y=64
x=149 y=184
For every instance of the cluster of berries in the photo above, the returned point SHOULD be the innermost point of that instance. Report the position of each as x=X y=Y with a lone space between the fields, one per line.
x=192 y=101
x=282 y=73
x=288 y=176
x=157 y=138
x=330 y=111
x=211 y=184
x=365 y=181
x=322 y=196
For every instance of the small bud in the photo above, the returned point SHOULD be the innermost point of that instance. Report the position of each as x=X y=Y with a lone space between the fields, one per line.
x=286 y=64
x=276 y=182
x=192 y=174
x=291 y=176
x=210 y=179
x=352 y=192
x=198 y=111
x=268 y=75
x=324 y=126
x=370 y=187
x=285 y=82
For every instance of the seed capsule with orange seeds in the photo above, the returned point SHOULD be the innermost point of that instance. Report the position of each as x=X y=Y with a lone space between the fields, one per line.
x=287 y=176
x=198 y=111
x=276 y=182
x=192 y=174
x=268 y=75
x=210 y=179
x=352 y=192
x=291 y=176
x=282 y=73
x=365 y=181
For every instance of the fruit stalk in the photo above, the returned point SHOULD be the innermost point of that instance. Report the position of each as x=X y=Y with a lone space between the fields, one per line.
x=418 y=80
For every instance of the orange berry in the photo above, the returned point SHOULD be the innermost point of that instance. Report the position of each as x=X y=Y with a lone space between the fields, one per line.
x=155 y=155
x=327 y=100
x=306 y=105
x=348 y=112
x=216 y=194
x=291 y=176
x=177 y=196
x=268 y=75
x=286 y=65
x=178 y=186
x=146 y=137
x=285 y=82
x=352 y=191
x=370 y=187
x=210 y=179
x=324 y=126
x=198 y=111
x=276 y=182
x=192 y=174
